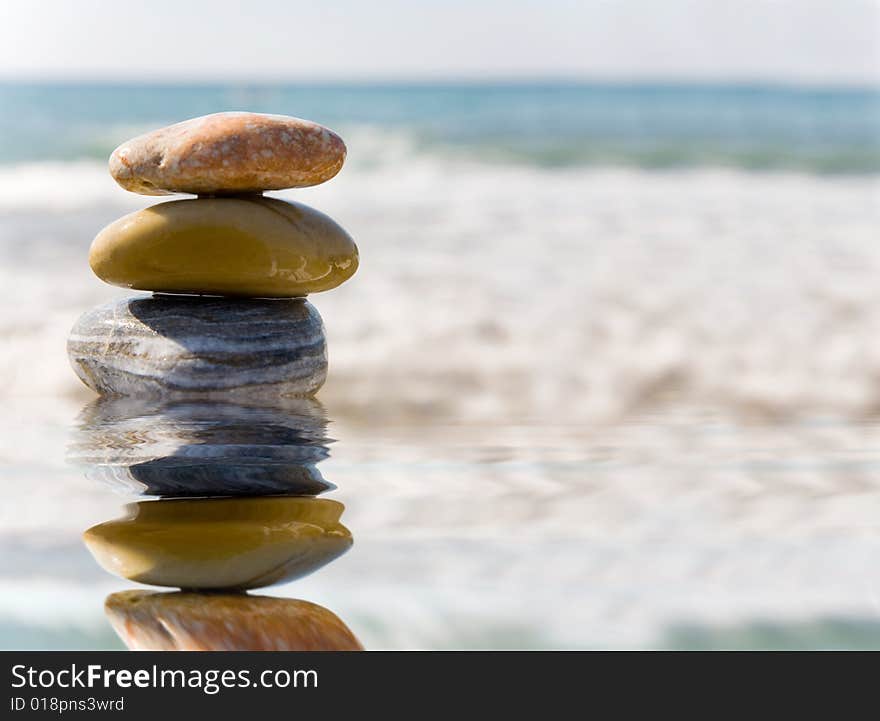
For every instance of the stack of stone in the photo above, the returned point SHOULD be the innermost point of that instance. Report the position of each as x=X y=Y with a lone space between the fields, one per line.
x=203 y=383
x=229 y=270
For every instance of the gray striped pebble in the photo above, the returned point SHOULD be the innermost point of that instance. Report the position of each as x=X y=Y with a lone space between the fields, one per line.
x=200 y=347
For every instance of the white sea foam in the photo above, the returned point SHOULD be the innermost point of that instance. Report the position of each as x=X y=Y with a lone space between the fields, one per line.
x=58 y=187
x=491 y=290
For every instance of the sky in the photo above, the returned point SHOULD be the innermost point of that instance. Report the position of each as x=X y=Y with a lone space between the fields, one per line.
x=806 y=41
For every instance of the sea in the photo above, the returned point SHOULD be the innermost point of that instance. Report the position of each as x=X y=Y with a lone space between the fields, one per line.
x=608 y=375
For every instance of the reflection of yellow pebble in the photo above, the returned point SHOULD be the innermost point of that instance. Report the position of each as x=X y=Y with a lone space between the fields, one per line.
x=149 y=621
x=254 y=246
x=220 y=542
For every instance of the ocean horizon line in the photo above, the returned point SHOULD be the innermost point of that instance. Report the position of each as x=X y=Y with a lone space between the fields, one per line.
x=439 y=82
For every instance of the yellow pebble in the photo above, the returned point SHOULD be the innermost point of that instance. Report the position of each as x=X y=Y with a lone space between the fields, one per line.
x=246 y=247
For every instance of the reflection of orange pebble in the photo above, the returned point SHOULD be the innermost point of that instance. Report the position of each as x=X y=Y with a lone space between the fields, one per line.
x=149 y=621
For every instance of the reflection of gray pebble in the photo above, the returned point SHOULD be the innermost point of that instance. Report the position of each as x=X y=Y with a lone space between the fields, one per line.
x=174 y=477
x=200 y=347
x=127 y=431
x=202 y=448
